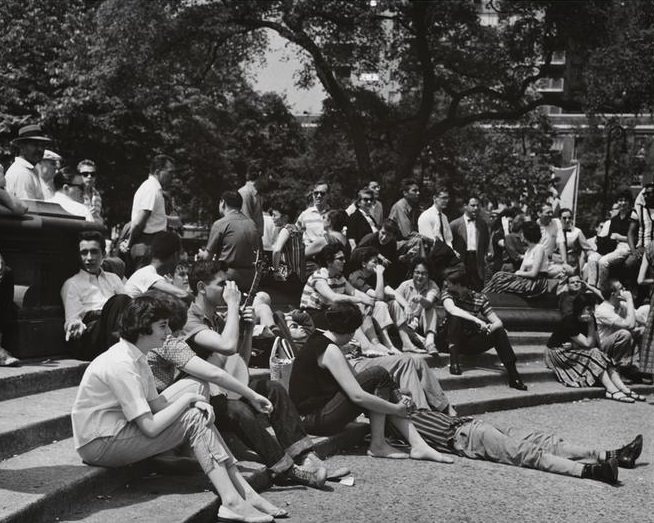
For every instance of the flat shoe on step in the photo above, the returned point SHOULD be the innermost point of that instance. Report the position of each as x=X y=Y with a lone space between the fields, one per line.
x=620 y=396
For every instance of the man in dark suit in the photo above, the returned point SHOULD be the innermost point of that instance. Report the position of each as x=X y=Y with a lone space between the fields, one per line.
x=470 y=239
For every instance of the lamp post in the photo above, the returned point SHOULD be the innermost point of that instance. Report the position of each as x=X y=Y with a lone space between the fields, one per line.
x=613 y=131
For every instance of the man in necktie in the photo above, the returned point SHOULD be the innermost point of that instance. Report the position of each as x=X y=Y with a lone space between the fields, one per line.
x=470 y=238
x=432 y=223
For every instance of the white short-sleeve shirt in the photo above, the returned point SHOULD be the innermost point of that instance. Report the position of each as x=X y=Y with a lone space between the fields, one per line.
x=141 y=281
x=116 y=388
x=149 y=197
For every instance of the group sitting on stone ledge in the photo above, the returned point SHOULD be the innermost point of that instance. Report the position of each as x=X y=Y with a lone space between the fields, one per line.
x=170 y=341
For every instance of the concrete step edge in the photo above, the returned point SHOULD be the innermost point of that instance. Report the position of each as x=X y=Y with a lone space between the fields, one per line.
x=35 y=377
x=532 y=399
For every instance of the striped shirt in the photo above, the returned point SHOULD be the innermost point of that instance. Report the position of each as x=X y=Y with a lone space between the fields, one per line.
x=471 y=301
x=311 y=298
x=311 y=224
x=438 y=429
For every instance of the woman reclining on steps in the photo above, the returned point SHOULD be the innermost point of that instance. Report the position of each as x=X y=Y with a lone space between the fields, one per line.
x=118 y=418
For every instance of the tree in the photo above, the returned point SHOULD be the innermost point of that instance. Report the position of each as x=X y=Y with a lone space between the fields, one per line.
x=451 y=70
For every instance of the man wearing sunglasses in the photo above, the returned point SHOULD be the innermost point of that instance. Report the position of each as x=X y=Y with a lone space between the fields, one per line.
x=91 y=196
x=68 y=194
x=361 y=223
x=310 y=220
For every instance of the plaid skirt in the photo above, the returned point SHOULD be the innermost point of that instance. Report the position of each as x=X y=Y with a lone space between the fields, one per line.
x=576 y=367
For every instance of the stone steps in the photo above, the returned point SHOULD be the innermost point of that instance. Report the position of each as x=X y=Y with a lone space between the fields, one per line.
x=51 y=482
x=34 y=376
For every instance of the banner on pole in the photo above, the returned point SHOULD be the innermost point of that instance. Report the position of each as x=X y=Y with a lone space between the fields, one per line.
x=566 y=182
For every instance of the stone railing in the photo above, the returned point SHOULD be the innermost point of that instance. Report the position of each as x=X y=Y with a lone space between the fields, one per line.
x=41 y=248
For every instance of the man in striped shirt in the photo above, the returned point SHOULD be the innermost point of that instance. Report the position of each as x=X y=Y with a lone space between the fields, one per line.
x=475 y=439
x=310 y=220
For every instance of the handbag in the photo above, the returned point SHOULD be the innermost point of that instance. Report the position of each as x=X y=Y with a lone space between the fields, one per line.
x=281 y=361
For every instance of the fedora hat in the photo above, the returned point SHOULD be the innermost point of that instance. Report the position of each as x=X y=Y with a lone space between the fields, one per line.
x=31 y=132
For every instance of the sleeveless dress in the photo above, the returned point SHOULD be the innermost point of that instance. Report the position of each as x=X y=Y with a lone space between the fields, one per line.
x=508 y=282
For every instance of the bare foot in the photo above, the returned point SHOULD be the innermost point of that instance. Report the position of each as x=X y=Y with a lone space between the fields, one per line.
x=246 y=511
x=409 y=347
x=429 y=454
x=265 y=506
x=384 y=450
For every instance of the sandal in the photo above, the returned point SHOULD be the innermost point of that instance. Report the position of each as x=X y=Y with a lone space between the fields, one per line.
x=636 y=396
x=620 y=396
x=431 y=349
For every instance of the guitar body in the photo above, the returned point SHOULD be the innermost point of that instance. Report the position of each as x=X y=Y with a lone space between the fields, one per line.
x=234 y=364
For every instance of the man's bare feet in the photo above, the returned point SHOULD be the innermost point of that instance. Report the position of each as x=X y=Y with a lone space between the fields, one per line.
x=384 y=450
x=429 y=454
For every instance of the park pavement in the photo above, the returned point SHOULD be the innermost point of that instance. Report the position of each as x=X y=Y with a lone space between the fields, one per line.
x=479 y=491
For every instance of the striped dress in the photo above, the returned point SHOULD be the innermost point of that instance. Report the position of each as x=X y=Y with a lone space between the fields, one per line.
x=574 y=366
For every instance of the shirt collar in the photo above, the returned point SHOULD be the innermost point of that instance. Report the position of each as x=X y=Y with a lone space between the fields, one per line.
x=90 y=276
x=154 y=180
x=23 y=162
x=132 y=350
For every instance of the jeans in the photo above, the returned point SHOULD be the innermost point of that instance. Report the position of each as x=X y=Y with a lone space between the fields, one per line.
x=340 y=410
x=131 y=444
x=240 y=417
x=522 y=448
x=463 y=339
x=99 y=334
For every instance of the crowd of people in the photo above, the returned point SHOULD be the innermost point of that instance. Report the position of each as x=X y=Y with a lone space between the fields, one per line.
x=170 y=342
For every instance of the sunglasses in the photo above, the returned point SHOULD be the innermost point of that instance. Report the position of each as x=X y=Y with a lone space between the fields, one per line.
x=365 y=200
x=92 y=174
x=339 y=258
x=319 y=193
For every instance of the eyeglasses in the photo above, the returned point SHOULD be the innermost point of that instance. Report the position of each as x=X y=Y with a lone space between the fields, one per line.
x=365 y=200
x=319 y=193
x=339 y=258
x=85 y=174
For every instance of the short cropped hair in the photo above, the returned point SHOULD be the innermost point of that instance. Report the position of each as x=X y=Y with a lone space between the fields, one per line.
x=337 y=219
x=63 y=177
x=177 y=313
x=390 y=227
x=85 y=163
x=365 y=193
x=407 y=183
x=419 y=261
x=457 y=277
x=564 y=209
x=159 y=162
x=362 y=255
x=165 y=244
x=92 y=236
x=328 y=253
x=232 y=199
x=140 y=314
x=204 y=271
x=343 y=318
x=531 y=232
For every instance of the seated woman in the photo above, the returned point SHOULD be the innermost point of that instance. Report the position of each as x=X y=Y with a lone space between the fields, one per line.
x=573 y=354
x=329 y=395
x=417 y=300
x=531 y=279
x=574 y=249
x=334 y=222
x=118 y=418
x=327 y=285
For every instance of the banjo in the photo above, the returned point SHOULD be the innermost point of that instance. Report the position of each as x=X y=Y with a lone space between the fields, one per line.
x=235 y=364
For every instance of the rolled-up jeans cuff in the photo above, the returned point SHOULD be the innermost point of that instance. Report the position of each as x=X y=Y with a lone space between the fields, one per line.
x=285 y=463
x=299 y=447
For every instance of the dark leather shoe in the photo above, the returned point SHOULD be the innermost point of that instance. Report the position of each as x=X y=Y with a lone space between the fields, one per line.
x=516 y=383
x=628 y=454
x=455 y=369
x=607 y=471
